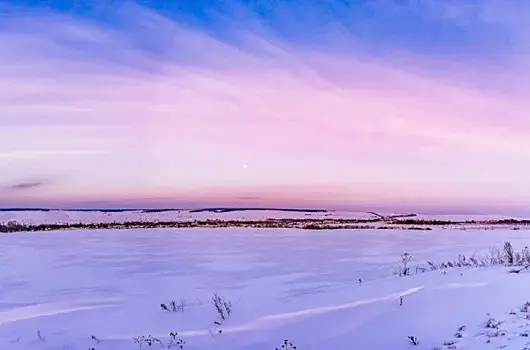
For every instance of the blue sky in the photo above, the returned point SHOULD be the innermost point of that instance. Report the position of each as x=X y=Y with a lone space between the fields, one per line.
x=439 y=28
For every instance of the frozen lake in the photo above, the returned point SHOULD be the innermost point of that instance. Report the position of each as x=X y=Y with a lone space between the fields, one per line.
x=70 y=285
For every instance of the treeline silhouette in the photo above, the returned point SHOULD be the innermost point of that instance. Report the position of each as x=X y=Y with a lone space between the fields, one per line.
x=307 y=223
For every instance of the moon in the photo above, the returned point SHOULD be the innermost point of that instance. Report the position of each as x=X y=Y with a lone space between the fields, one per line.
x=244 y=166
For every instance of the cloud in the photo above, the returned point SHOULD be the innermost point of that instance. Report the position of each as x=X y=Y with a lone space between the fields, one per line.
x=23 y=186
x=27 y=154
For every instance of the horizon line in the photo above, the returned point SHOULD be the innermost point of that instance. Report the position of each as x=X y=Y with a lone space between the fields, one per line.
x=169 y=209
x=226 y=209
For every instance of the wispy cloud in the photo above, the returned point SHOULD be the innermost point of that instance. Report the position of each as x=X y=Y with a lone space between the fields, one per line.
x=48 y=153
x=23 y=186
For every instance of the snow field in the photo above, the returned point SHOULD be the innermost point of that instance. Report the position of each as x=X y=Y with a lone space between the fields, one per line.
x=61 y=288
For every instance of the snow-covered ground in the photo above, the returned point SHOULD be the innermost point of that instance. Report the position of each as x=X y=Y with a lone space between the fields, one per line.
x=58 y=289
x=74 y=217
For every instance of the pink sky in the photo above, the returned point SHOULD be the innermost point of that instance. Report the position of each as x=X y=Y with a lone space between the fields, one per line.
x=292 y=127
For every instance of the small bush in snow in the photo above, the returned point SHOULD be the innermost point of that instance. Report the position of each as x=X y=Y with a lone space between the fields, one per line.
x=174 y=341
x=520 y=260
x=404 y=269
x=509 y=253
x=413 y=340
x=493 y=323
x=287 y=345
x=463 y=262
x=494 y=333
x=523 y=257
x=496 y=257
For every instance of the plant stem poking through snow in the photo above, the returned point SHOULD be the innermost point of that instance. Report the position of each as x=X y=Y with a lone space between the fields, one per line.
x=173 y=343
x=506 y=256
x=94 y=338
x=174 y=306
x=413 y=340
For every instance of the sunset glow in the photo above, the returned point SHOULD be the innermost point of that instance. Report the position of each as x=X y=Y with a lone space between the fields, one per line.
x=389 y=105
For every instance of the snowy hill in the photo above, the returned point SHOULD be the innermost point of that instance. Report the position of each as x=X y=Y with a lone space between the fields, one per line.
x=40 y=217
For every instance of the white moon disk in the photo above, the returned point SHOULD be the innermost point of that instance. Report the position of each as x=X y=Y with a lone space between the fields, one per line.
x=244 y=166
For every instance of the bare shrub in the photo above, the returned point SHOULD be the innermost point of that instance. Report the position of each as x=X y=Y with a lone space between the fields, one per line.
x=509 y=253
x=496 y=256
x=413 y=340
x=507 y=256
x=525 y=255
x=463 y=262
x=222 y=306
x=492 y=323
x=404 y=269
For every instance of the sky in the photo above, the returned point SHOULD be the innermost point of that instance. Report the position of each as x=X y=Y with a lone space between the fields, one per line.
x=394 y=105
